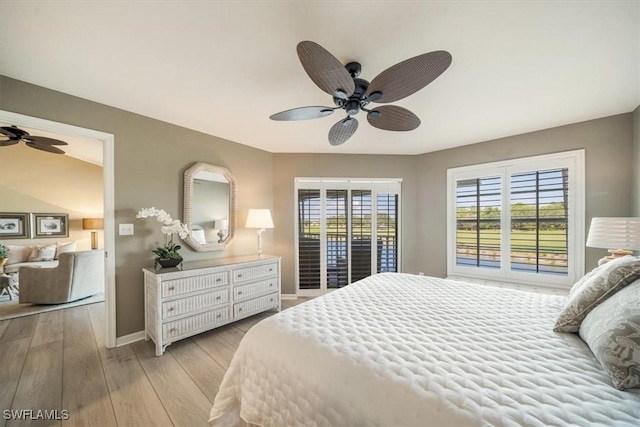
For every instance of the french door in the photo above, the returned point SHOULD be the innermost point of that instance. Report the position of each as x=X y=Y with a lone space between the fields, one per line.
x=345 y=231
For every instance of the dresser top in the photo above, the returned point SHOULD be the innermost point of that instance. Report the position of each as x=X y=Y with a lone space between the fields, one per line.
x=214 y=262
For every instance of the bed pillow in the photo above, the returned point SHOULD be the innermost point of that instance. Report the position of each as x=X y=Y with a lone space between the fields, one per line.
x=18 y=254
x=612 y=331
x=609 y=278
x=42 y=253
x=62 y=247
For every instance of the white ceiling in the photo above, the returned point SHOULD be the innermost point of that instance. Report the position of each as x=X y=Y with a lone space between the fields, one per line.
x=224 y=67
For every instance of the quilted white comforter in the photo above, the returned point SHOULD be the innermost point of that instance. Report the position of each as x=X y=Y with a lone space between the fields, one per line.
x=405 y=350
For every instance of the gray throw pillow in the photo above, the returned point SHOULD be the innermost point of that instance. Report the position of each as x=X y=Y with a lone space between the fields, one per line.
x=609 y=278
x=612 y=331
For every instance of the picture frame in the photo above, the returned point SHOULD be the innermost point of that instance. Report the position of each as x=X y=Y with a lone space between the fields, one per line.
x=15 y=225
x=50 y=225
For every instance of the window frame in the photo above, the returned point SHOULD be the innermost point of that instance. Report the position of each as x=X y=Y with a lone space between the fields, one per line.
x=376 y=186
x=574 y=162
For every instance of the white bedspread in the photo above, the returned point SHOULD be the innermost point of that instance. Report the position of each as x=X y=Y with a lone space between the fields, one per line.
x=399 y=349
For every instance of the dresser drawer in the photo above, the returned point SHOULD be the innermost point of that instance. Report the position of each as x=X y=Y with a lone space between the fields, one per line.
x=255 y=305
x=254 y=289
x=194 y=323
x=193 y=284
x=251 y=273
x=194 y=303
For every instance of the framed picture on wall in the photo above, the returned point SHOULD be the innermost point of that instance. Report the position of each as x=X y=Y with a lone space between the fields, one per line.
x=14 y=225
x=51 y=225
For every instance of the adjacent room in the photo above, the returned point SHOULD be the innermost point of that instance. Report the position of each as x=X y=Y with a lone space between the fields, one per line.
x=285 y=213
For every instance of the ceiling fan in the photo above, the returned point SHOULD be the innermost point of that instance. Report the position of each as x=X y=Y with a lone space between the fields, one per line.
x=353 y=94
x=11 y=135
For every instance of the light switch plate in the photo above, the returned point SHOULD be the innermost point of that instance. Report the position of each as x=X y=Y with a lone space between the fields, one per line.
x=126 y=229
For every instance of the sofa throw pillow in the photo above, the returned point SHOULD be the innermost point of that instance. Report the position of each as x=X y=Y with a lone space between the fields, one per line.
x=612 y=331
x=62 y=247
x=18 y=254
x=43 y=253
x=609 y=278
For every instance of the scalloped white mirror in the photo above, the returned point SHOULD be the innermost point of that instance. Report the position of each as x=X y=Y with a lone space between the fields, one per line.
x=209 y=207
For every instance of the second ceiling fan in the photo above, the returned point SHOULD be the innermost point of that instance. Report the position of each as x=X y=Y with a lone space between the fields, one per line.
x=354 y=94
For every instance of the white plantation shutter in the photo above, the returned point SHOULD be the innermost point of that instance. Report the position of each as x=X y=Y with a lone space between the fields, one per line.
x=519 y=221
x=346 y=230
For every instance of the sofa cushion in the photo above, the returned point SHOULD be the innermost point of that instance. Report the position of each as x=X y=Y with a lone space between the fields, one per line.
x=14 y=268
x=43 y=253
x=62 y=247
x=18 y=253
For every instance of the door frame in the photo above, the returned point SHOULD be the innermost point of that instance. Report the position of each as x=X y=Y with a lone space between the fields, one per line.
x=108 y=141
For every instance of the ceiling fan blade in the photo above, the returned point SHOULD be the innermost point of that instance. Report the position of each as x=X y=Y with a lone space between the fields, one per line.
x=342 y=131
x=48 y=148
x=12 y=132
x=408 y=76
x=325 y=70
x=41 y=140
x=303 y=113
x=392 y=117
x=8 y=142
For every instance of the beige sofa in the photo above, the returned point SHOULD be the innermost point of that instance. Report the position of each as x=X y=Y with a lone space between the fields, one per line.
x=44 y=256
x=78 y=275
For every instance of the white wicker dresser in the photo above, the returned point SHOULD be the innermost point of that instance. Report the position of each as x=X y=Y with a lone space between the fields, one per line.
x=204 y=295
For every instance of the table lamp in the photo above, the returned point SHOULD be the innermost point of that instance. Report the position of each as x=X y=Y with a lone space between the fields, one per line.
x=260 y=219
x=221 y=225
x=621 y=236
x=93 y=224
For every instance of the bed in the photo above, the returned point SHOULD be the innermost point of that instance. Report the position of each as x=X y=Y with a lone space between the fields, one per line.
x=398 y=349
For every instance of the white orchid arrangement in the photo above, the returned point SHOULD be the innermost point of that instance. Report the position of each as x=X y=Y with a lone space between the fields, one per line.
x=169 y=227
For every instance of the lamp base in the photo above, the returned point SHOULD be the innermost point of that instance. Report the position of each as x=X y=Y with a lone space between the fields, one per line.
x=615 y=253
x=94 y=240
x=260 y=231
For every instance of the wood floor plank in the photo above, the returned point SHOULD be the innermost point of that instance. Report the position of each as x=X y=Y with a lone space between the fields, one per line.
x=49 y=328
x=19 y=328
x=231 y=334
x=134 y=400
x=3 y=325
x=84 y=388
x=97 y=317
x=77 y=326
x=40 y=383
x=245 y=324
x=183 y=400
x=200 y=367
x=13 y=356
x=219 y=350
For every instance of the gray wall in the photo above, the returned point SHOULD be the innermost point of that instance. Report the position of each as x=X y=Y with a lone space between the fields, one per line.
x=288 y=166
x=150 y=159
x=609 y=177
x=636 y=162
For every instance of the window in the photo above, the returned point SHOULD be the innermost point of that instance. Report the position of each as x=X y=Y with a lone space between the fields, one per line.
x=346 y=230
x=518 y=221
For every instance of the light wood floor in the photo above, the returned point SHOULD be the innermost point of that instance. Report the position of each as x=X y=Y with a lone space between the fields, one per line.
x=58 y=361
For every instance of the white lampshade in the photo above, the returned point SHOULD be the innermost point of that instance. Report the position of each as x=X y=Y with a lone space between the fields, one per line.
x=221 y=224
x=259 y=218
x=614 y=233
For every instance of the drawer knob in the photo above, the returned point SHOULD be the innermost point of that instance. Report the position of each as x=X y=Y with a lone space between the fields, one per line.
x=171 y=288
x=239 y=275
x=218 y=280
x=271 y=269
x=271 y=300
x=218 y=316
x=218 y=298
x=270 y=284
x=240 y=309
x=170 y=309
x=172 y=330
x=239 y=292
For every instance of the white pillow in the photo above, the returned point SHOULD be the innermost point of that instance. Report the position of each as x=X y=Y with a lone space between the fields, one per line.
x=18 y=254
x=62 y=247
x=43 y=253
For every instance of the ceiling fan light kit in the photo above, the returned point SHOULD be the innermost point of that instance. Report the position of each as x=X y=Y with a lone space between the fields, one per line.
x=12 y=135
x=353 y=94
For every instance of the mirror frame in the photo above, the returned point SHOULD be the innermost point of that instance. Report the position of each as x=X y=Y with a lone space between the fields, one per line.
x=189 y=175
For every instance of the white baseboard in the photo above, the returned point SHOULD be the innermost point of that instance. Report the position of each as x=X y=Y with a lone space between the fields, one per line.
x=288 y=296
x=130 y=339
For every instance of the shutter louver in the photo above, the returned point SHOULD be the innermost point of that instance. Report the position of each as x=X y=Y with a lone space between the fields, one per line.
x=478 y=231
x=387 y=232
x=360 y=234
x=539 y=221
x=309 y=210
x=336 y=209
